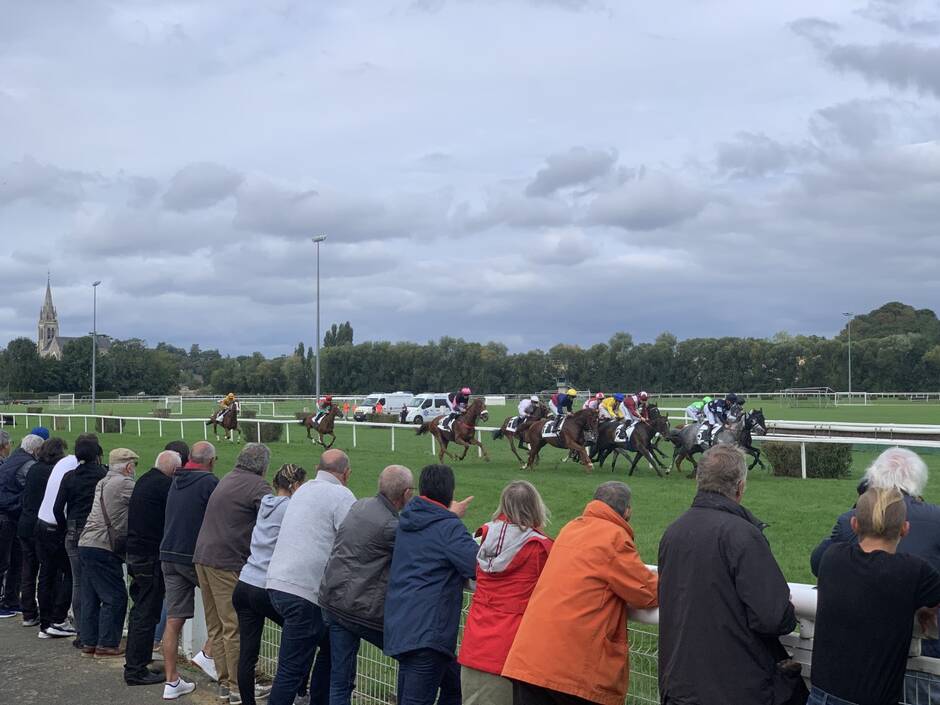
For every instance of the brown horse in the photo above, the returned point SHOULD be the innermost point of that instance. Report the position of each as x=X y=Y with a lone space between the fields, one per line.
x=540 y=412
x=228 y=420
x=462 y=431
x=570 y=437
x=323 y=427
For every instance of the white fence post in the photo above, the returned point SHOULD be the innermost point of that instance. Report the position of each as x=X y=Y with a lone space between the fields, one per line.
x=138 y=427
x=69 y=417
x=433 y=448
x=803 y=460
x=354 y=435
x=161 y=428
x=393 y=439
x=181 y=430
x=86 y=424
x=205 y=432
x=480 y=447
x=287 y=428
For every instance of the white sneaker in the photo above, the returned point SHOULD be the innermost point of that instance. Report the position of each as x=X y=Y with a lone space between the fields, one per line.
x=56 y=631
x=171 y=691
x=65 y=627
x=34 y=622
x=262 y=691
x=223 y=693
x=207 y=665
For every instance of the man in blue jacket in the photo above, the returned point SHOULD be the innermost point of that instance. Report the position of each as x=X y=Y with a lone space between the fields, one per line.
x=434 y=556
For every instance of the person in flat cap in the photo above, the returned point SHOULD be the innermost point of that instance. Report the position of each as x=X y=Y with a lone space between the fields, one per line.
x=101 y=550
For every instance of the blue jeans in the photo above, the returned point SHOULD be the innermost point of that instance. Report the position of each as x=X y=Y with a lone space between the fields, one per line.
x=161 y=625
x=422 y=672
x=345 y=637
x=821 y=697
x=104 y=597
x=301 y=633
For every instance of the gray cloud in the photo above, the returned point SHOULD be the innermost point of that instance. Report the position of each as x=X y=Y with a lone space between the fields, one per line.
x=651 y=201
x=856 y=123
x=753 y=155
x=200 y=185
x=575 y=167
x=903 y=16
x=32 y=180
x=899 y=64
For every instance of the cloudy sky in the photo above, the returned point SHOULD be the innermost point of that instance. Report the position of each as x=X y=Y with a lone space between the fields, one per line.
x=529 y=171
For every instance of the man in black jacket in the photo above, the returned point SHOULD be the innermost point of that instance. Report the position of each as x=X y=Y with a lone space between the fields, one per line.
x=12 y=483
x=145 y=518
x=723 y=599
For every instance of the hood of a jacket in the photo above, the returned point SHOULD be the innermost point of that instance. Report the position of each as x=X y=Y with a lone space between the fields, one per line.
x=17 y=459
x=186 y=478
x=241 y=468
x=84 y=469
x=717 y=501
x=421 y=512
x=269 y=503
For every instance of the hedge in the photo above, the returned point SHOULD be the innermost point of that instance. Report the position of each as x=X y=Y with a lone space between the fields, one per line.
x=270 y=432
x=109 y=424
x=823 y=460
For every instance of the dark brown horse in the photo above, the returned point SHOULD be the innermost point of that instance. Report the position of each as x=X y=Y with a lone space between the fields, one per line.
x=462 y=431
x=511 y=434
x=571 y=437
x=228 y=420
x=640 y=441
x=323 y=427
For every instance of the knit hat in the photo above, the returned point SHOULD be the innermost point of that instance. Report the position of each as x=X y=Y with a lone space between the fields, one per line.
x=42 y=432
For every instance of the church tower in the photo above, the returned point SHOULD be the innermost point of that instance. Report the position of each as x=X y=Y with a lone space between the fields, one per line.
x=48 y=341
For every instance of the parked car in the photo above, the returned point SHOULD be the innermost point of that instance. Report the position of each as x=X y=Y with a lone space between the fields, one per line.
x=391 y=402
x=426 y=406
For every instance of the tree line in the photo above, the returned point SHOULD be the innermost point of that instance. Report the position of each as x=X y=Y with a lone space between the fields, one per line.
x=894 y=348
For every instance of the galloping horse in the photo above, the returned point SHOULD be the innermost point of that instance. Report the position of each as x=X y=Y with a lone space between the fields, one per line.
x=510 y=434
x=571 y=437
x=228 y=420
x=324 y=427
x=640 y=440
x=462 y=431
x=738 y=433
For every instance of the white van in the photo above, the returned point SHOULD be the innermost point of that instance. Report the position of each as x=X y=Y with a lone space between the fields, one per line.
x=392 y=403
x=426 y=406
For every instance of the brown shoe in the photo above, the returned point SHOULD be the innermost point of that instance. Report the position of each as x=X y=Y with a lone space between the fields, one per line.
x=108 y=651
x=88 y=651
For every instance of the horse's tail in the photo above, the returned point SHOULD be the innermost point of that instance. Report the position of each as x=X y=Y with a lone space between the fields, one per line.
x=302 y=421
x=423 y=428
x=497 y=434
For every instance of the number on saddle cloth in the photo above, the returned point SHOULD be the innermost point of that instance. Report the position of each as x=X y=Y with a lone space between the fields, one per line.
x=318 y=418
x=514 y=423
x=624 y=432
x=553 y=427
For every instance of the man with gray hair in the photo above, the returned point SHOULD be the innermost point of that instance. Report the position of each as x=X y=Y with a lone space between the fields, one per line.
x=145 y=519
x=314 y=515
x=352 y=593
x=222 y=549
x=12 y=483
x=723 y=598
x=905 y=470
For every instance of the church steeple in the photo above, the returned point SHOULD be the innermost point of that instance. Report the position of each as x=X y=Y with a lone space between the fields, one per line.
x=47 y=342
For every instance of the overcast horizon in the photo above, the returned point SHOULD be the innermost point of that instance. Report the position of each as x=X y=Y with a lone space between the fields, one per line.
x=527 y=171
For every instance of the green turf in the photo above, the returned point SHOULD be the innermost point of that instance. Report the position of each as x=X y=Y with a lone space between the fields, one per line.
x=799 y=512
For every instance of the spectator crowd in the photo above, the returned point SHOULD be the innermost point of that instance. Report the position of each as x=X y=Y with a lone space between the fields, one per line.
x=547 y=624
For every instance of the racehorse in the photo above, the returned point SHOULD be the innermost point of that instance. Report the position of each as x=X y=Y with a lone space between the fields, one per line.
x=228 y=420
x=324 y=426
x=571 y=436
x=462 y=431
x=738 y=433
x=640 y=441
x=540 y=412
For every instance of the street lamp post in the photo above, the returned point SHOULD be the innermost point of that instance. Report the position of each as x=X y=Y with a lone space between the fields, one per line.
x=849 y=315
x=94 y=339
x=318 y=239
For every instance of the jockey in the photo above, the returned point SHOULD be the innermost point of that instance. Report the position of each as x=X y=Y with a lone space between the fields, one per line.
x=224 y=404
x=610 y=407
x=562 y=401
x=527 y=407
x=696 y=410
x=716 y=414
x=458 y=401
x=594 y=402
x=324 y=404
x=634 y=407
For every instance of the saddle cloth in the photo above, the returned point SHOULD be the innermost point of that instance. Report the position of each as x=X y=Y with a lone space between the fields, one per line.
x=549 y=430
x=318 y=417
x=513 y=423
x=447 y=423
x=623 y=433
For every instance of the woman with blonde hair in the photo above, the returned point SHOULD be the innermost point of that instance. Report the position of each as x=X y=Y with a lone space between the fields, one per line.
x=513 y=551
x=868 y=597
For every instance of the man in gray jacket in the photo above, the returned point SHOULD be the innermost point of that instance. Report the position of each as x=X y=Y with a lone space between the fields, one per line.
x=101 y=549
x=352 y=593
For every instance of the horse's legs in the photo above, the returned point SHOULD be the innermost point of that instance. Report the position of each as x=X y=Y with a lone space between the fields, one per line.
x=534 y=448
x=585 y=458
x=475 y=442
x=512 y=446
x=331 y=442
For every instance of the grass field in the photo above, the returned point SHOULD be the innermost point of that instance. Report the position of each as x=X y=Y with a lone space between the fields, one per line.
x=799 y=512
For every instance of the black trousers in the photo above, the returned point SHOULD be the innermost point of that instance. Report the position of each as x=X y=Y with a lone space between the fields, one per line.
x=10 y=559
x=29 y=571
x=253 y=606
x=55 y=575
x=527 y=694
x=146 y=591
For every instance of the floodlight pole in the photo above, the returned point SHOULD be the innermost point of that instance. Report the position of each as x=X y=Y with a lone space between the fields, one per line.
x=318 y=239
x=850 y=315
x=94 y=339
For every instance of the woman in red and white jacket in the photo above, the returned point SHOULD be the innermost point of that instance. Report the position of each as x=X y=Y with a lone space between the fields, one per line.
x=513 y=551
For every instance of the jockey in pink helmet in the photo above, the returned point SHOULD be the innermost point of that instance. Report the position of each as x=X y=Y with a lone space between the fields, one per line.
x=458 y=402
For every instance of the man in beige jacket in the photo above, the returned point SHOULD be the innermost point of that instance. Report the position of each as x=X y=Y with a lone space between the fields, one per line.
x=101 y=551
